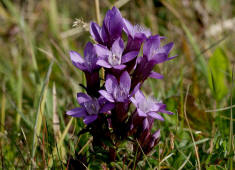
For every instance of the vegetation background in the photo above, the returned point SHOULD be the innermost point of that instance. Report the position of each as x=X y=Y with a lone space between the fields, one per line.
x=39 y=82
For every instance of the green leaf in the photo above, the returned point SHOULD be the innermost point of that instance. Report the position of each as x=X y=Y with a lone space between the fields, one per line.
x=218 y=66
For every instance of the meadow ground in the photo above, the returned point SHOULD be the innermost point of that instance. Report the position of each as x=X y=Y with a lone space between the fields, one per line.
x=39 y=82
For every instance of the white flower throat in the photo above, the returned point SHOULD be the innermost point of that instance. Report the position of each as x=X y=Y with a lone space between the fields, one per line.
x=114 y=60
x=147 y=104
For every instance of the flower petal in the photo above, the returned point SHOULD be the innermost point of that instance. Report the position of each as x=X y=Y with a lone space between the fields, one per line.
x=129 y=56
x=155 y=75
x=139 y=96
x=141 y=113
x=106 y=95
x=154 y=107
x=141 y=32
x=102 y=51
x=77 y=60
x=155 y=116
x=103 y=63
x=114 y=23
x=119 y=67
x=77 y=112
x=76 y=57
x=137 y=87
x=110 y=83
x=166 y=48
x=159 y=58
x=95 y=31
x=89 y=119
x=118 y=47
x=128 y=28
x=90 y=57
x=145 y=124
x=151 y=44
x=88 y=49
x=156 y=134
x=132 y=99
x=170 y=58
x=107 y=107
x=167 y=112
x=82 y=97
x=125 y=81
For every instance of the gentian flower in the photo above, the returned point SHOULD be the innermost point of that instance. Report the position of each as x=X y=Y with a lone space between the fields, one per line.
x=111 y=29
x=89 y=66
x=113 y=58
x=136 y=35
x=88 y=63
x=148 y=108
x=115 y=91
x=153 y=54
x=90 y=108
x=106 y=109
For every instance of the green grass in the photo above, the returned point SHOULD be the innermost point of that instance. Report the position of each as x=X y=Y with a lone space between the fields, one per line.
x=39 y=82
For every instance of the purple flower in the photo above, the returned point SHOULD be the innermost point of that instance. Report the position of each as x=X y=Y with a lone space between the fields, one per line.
x=115 y=91
x=136 y=35
x=136 y=30
x=113 y=58
x=88 y=63
x=111 y=29
x=148 y=108
x=154 y=52
x=90 y=108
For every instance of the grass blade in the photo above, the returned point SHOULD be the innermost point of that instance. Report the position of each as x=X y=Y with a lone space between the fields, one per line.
x=187 y=159
x=40 y=110
x=60 y=142
x=19 y=91
x=3 y=109
x=231 y=126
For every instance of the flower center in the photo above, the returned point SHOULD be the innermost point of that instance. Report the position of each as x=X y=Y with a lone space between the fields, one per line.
x=155 y=51
x=114 y=60
x=147 y=105
x=92 y=107
x=120 y=94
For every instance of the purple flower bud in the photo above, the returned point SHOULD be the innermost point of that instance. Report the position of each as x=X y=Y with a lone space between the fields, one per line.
x=150 y=141
x=111 y=29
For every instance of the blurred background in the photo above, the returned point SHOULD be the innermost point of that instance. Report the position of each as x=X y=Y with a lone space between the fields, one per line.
x=39 y=82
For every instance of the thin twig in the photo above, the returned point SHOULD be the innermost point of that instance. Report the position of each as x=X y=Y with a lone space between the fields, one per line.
x=97 y=11
x=186 y=118
x=221 y=109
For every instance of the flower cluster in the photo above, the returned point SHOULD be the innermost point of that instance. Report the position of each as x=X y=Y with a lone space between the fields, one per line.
x=106 y=108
